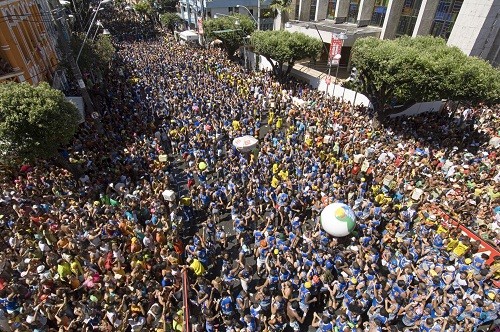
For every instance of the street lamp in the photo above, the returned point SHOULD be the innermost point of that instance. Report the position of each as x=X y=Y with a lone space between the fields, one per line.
x=251 y=15
x=355 y=81
x=99 y=25
x=90 y=27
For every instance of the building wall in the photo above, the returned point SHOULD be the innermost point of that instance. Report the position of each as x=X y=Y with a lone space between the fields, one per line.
x=476 y=29
x=209 y=8
x=471 y=25
x=25 y=42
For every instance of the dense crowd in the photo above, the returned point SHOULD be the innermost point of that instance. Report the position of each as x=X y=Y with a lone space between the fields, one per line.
x=107 y=251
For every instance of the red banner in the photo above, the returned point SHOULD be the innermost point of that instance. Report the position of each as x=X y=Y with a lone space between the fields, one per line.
x=335 y=49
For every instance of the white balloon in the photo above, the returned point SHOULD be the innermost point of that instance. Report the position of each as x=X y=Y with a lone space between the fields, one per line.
x=338 y=219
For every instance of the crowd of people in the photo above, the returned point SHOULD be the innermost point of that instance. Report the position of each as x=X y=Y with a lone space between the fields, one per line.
x=107 y=250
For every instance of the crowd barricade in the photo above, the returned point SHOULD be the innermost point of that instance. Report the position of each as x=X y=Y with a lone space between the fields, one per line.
x=484 y=247
x=185 y=300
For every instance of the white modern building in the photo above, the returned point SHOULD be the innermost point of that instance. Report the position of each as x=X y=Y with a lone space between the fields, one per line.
x=471 y=25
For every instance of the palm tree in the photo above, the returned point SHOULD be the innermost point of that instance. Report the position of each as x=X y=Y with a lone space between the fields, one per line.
x=282 y=9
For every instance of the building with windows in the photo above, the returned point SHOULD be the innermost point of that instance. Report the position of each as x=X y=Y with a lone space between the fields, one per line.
x=27 y=46
x=198 y=10
x=471 y=25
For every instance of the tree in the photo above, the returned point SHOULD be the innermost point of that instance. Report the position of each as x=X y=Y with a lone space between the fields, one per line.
x=282 y=9
x=96 y=54
x=231 y=30
x=163 y=6
x=144 y=8
x=284 y=48
x=34 y=121
x=421 y=69
x=170 y=20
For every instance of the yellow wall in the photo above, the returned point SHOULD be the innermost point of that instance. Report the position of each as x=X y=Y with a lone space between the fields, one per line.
x=24 y=41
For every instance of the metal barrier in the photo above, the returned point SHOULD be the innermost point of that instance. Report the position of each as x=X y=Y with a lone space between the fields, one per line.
x=185 y=300
x=484 y=247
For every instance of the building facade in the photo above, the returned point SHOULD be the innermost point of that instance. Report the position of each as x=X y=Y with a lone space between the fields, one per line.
x=206 y=9
x=27 y=47
x=471 y=25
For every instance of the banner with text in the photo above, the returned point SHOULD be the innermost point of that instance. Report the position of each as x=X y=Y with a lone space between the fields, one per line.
x=335 y=49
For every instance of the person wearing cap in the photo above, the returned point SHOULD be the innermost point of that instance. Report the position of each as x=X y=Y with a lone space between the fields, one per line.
x=305 y=297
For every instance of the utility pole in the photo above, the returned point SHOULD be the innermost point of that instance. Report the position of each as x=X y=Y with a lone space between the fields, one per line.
x=188 y=7
x=64 y=43
x=258 y=14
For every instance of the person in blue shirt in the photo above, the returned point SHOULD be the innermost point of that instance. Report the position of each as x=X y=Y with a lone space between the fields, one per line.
x=226 y=304
x=322 y=323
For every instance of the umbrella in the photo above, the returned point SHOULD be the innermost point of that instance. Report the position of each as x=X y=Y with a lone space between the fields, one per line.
x=215 y=42
x=245 y=143
x=495 y=142
x=119 y=186
x=168 y=195
x=202 y=166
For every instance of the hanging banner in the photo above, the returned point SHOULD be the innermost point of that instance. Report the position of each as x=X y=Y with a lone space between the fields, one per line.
x=335 y=49
x=200 y=25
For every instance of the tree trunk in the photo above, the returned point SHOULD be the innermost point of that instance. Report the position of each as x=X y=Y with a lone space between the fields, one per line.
x=280 y=19
x=288 y=70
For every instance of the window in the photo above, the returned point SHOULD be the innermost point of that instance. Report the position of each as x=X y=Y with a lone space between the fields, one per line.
x=445 y=17
x=408 y=17
x=379 y=11
x=297 y=11
x=352 y=16
x=312 y=13
x=230 y=10
x=331 y=9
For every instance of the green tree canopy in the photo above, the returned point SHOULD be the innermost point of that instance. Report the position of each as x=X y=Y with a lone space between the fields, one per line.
x=231 y=30
x=163 y=6
x=170 y=20
x=282 y=47
x=96 y=54
x=34 y=121
x=422 y=69
x=281 y=8
x=144 y=8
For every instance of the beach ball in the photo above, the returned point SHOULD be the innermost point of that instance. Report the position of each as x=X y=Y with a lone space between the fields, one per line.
x=337 y=219
x=202 y=166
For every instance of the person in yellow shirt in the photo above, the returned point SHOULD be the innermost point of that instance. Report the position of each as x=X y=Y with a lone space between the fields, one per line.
x=275 y=168
x=283 y=174
x=236 y=125
x=63 y=269
x=279 y=123
x=178 y=321
x=452 y=243
x=197 y=267
x=271 y=118
x=76 y=268
x=275 y=182
x=460 y=249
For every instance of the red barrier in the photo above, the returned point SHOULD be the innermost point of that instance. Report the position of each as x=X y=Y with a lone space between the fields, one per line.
x=185 y=300
x=484 y=247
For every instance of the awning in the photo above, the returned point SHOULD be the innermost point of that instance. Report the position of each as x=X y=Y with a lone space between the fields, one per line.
x=78 y=102
x=189 y=35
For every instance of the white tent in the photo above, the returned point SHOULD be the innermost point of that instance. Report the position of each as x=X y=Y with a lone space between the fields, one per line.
x=189 y=35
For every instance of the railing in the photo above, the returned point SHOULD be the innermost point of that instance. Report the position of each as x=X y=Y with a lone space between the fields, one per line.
x=185 y=300
x=13 y=76
x=484 y=246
